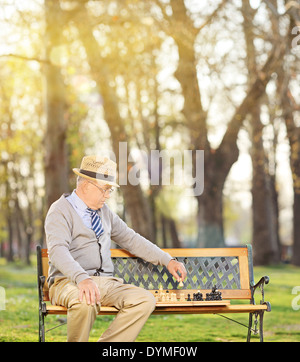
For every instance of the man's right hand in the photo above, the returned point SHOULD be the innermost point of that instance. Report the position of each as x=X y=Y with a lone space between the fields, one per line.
x=91 y=291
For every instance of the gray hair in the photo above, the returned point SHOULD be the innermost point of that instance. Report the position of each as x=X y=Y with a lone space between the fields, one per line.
x=80 y=180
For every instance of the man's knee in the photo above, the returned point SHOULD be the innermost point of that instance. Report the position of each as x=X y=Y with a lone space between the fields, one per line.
x=83 y=308
x=149 y=301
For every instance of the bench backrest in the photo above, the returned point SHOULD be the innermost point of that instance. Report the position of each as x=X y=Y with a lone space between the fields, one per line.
x=230 y=269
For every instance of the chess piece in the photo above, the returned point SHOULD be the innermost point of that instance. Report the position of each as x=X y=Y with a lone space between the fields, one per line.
x=189 y=298
x=182 y=299
x=198 y=297
x=180 y=284
x=214 y=294
x=173 y=297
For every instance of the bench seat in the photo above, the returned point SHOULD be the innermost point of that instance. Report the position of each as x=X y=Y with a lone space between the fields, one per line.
x=238 y=308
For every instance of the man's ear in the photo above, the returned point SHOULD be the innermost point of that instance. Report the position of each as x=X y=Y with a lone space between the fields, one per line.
x=82 y=187
x=85 y=186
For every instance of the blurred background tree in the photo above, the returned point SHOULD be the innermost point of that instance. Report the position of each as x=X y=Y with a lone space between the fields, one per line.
x=82 y=77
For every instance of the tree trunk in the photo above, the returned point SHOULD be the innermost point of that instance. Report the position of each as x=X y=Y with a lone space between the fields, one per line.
x=9 y=252
x=135 y=202
x=288 y=105
x=168 y=227
x=296 y=228
x=174 y=234
x=217 y=162
x=293 y=133
x=264 y=236
x=210 y=203
x=164 y=231
x=56 y=165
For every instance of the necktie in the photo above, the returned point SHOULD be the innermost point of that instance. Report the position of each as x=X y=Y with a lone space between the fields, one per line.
x=96 y=222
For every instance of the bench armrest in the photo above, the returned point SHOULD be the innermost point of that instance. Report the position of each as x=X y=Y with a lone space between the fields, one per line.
x=261 y=283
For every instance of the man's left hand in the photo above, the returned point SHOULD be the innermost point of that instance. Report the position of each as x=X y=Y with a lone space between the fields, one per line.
x=174 y=267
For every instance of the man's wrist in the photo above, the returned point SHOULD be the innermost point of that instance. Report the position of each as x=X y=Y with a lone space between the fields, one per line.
x=173 y=259
x=81 y=278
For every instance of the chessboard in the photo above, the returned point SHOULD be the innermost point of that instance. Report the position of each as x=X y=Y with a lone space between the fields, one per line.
x=168 y=298
x=192 y=303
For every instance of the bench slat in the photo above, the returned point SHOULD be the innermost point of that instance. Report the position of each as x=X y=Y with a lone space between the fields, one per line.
x=238 y=251
x=240 y=308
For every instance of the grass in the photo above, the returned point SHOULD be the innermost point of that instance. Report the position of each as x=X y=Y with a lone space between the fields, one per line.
x=19 y=321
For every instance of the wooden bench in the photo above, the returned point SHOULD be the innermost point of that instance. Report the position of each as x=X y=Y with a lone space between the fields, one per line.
x=230 y=269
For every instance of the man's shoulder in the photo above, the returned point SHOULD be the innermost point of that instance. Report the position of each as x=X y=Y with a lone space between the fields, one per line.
x=59 y=205
x=108 y=214
x=107 y=211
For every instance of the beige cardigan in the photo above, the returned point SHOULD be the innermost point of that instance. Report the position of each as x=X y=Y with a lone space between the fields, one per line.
x=74 y=251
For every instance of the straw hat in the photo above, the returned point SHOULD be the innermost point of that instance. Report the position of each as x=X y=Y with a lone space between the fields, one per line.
x=98 y=168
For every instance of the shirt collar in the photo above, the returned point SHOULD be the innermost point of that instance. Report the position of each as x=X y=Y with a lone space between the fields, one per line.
x=78 y=203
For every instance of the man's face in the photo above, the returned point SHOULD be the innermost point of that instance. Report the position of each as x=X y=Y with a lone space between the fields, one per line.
x=96 y=195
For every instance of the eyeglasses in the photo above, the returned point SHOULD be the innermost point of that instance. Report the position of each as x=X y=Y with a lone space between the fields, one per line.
x=110 y=190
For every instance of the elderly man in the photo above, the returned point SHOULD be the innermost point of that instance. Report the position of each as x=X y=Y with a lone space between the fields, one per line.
x=79 y=229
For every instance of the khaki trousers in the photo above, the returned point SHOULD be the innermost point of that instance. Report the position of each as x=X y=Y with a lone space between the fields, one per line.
x=135 y=306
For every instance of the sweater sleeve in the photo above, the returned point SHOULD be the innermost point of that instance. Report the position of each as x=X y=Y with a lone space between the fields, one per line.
x=135 y=243
x=58 y=238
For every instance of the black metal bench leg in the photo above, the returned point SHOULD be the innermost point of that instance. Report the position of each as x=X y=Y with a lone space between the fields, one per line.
x=249 y=327
x=41 y=327
x=40 y=283
x=261 y=330
x=261 y=322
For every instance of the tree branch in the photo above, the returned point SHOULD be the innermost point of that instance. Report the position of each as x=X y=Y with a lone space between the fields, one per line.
x=18 y=56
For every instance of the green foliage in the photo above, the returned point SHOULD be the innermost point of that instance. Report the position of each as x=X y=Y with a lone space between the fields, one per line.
x=159 y=77
x=19 y=322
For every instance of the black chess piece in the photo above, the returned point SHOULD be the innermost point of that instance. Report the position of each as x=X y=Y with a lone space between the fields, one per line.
x=198 y=297
x=214 y=294
x=189 y=298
